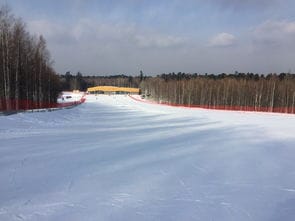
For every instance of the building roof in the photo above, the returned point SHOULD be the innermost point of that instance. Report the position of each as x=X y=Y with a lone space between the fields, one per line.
x=113 y=89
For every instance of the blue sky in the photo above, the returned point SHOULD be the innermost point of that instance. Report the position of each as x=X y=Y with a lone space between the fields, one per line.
x=124 y=37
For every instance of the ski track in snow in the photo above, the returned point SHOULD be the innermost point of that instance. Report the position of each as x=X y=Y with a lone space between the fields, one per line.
x=114 y=158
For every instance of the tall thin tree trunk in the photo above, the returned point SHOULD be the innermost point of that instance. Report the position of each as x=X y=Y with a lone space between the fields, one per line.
x=40 y=84
x=4 y=70
x=16 y=93
x=293 y=103
x=8 y=101
x=272 y=97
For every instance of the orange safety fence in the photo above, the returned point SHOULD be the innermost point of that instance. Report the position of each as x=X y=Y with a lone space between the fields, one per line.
x=18 y=105
x=288 y=110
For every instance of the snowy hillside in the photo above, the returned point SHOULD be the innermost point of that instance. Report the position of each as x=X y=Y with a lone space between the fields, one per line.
x=114 y=158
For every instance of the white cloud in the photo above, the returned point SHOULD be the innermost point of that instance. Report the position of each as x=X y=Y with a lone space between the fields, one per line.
x=45 y=28
x=274 y=35
x=158 y=41
x=88 y=29
x=127 y=33
x=222 y=40
x=53 y=32
x=276 y=28
x=92 y=46
x=258 y=4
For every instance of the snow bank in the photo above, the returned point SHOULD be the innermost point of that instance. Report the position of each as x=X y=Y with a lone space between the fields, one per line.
x=68 y=97
x=114 y=158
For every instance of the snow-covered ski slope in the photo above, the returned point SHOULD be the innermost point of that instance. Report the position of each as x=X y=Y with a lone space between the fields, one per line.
x=114 y=158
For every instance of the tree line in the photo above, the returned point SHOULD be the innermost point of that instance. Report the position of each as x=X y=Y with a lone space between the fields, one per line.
x=81 y=82
x=239 y=91
x=27 y=79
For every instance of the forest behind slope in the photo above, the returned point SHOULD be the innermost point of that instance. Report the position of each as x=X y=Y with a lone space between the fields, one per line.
x=27 y=78
x=239 y=91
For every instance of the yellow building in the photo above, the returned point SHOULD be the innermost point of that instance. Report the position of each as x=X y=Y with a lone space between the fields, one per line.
x=113 y=90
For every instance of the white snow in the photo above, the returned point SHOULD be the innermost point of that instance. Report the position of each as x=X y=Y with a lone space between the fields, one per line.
x=69 y=96
x=114 y=158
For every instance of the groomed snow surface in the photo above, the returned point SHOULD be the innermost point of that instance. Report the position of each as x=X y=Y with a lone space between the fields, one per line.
x=114 y=158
